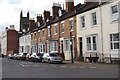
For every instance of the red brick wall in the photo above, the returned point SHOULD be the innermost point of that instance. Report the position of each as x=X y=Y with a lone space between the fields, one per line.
x=12 y=41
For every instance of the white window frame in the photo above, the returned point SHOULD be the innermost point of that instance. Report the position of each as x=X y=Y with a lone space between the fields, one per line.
x=94 y=19
x=91 y=39
x=49 y=31
x=62 y=31
x=52 y=48
x=55 y=29
x=68 y=45
x=112 y=47
x=82 y=22
x=72 y=25
x=115 y=14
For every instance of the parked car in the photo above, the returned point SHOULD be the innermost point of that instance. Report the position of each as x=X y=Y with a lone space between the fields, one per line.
x=16 y=55
x=1 y=55
x=52 y=58
x=10 y=56
x=28 y=56
x=36 y=57
x=22 y=56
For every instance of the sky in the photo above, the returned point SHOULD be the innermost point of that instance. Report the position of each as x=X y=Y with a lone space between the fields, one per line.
x=10 y=10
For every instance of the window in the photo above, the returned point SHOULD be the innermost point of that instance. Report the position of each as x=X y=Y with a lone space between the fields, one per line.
x=43 y=33
x=35 y=36
x=31 y=36
x=42 y=48
x=82 y=22
x=94 y=19
x=89 y=43
x=67 y=45
x=54 y=46
x=39 y=49
x=71 y=25
x=39 y=34
x=55 y=28
x=114 y=10
x=62 y=27
x=49 y=31
x=115 y=41
x=92 y=43
x=28 y=38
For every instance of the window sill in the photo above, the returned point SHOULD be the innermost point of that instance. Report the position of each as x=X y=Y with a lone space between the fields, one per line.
x=71 y=30
x=114 y=21
x=62 y=33
x=83 y=28
x=93 y=26
x=55 y=34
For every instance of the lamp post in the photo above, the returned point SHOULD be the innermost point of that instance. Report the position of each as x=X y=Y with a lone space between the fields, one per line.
x=71 y=47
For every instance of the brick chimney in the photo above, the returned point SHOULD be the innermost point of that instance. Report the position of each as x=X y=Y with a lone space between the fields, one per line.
x=39 y=18
x=55 y=9
x=31 y=24
x=46 y=15
x=69 y=5
x=12 y=27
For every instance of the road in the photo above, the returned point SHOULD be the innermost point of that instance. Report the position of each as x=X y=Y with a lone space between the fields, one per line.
x=26 y=69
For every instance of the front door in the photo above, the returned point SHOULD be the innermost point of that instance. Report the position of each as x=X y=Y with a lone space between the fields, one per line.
x=62 y=50
x=81 y=47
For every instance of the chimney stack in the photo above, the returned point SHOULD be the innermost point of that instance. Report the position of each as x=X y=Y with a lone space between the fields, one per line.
x=46 y=15
x=55 y=9
x=69 y=5
x=39 y=18
x=31 y=24
x=6 y=28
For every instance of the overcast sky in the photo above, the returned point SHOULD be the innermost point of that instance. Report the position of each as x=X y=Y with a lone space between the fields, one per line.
x=10 y=10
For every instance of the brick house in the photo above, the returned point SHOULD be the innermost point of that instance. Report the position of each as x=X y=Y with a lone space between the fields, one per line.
x=54 y=34
x=9 y=40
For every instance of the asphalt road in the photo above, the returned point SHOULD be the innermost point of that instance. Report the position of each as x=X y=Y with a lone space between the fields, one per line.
x=26 y=69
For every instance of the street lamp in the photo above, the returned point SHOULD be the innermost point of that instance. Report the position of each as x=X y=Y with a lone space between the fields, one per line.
x=71 y=46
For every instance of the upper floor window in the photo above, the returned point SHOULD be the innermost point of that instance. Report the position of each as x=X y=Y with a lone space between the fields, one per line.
x=82 y=22
x=28 y=38
x=49 y=31
x=35 y=36
x=31 y=36
x=55 y=28
x=114 y=10
x=115 y=41
x=71 y=25
x=62 y=27
x=43 y=33
x=94 y=19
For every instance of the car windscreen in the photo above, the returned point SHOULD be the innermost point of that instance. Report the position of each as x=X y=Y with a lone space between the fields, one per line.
x=54 y=55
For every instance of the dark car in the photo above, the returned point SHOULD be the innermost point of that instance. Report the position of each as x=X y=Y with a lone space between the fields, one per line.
x=36 y=57
x=23 y=56
x=1 y=56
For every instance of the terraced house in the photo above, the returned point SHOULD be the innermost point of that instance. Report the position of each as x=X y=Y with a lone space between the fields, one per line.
x=98 y=31
x=82 y=29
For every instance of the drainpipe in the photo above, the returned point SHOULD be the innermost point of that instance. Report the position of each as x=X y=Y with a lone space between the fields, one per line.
x=101 y=30
x=59 y=35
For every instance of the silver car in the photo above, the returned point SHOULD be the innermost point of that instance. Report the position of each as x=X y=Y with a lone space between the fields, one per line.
x=52 y=58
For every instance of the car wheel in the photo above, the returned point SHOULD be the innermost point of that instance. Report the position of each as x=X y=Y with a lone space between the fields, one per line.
x=49 y=61
x=42 y=61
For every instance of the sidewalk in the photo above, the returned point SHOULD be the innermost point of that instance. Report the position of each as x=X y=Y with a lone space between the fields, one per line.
x=95 y=65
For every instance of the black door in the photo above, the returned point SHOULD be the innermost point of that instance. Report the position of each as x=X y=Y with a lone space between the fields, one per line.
x=81 y=47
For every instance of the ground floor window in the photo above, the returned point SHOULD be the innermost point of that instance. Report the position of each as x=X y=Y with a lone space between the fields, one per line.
x=92 y=43
x=115 y=41
x=34 y=48
x=27 y=49
x=42 y=48
x=54 y=46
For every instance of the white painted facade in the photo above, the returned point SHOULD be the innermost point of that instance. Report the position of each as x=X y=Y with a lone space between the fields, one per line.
x=98 y=35
x=25 y=43
x=4 y=43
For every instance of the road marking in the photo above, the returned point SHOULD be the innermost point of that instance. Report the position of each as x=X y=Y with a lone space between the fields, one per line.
x=36 y=65
x=92 y=67
x=63 y=66
x=83 y=67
